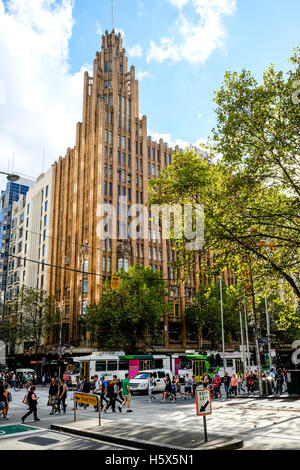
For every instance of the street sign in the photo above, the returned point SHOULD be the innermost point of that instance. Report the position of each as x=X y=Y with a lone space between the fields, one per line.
x=203 y=406
x=203 y=402
x=87 y=399
x=115 y=282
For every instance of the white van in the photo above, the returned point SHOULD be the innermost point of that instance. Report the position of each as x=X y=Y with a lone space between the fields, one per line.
x=139 y=382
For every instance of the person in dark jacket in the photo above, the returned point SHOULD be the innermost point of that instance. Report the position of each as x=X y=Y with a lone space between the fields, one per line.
x=32 y=402
x=227 y=380
x=62 y=395
x=85 y=388
x=53 y=394
x=111 y=394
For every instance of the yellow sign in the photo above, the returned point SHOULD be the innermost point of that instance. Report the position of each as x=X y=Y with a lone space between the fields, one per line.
x=115 y=282
x=86 y=399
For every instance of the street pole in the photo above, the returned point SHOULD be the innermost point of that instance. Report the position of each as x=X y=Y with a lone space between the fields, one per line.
x=60 y=340
x=242 y=341
x=222 y=321
x=255 y=334
x=247 y=336
x=268 y=332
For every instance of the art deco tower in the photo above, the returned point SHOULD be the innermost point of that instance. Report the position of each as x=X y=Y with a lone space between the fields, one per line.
x=113 y=158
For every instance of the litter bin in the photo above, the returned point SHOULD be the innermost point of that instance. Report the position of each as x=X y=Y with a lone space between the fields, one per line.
x=293 y=383
x=267 y=386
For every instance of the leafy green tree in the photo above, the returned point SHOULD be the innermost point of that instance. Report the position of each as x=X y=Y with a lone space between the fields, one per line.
x=203 y=315
x=33 y=315
x=129 y=318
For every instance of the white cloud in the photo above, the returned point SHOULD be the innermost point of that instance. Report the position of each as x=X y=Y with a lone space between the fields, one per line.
x=182 y=144
x=200 y=116
x=43 y=98
x=178 y=3
x=141 y=75
x=135 y=51
x=194 y=40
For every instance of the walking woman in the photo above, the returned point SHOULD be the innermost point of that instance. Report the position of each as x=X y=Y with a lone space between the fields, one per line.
x=168 y=388
x=62 y=395
x=234 y=384
x=32 y=402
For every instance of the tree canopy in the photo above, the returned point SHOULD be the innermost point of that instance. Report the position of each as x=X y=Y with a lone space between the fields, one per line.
x=129 y=318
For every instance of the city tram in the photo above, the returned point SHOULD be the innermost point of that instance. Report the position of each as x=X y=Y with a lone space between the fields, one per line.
x=108 y=364
x=118 y=363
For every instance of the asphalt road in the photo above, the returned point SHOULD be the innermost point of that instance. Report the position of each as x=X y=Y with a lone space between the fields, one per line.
x=264 y=424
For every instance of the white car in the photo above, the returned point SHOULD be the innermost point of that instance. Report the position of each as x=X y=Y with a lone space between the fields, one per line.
x=139 y=383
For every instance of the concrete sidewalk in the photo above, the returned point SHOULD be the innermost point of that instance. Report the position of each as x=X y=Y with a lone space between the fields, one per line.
x=144 y=436
x=256 y=403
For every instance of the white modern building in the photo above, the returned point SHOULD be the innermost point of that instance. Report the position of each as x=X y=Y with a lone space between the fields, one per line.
x=29 y=238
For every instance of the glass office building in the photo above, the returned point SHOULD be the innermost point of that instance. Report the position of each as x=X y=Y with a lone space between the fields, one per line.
x=12 y=193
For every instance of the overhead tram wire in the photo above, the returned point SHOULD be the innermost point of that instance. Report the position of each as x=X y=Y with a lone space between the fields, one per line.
x=73 y=269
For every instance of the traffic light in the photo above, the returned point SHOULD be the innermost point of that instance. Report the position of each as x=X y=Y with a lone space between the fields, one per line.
x=60 y=361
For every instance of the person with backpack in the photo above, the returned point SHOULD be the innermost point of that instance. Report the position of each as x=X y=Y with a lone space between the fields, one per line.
x=117 y=387
x=62 y=395
x=173 y=390
x=111 y=395
x=31 y=400
x=103 y=392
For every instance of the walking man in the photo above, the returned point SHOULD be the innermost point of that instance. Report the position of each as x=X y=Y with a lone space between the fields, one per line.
x=53 y=394
x=126 y=393
x=97 y=389
x=62 y=395
x=150 y=387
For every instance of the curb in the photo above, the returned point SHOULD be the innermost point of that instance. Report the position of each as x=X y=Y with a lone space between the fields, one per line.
x=233 y=444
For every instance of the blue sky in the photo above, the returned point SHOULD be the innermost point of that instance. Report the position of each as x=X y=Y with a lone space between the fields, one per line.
x=258 y=32
x=180 y=48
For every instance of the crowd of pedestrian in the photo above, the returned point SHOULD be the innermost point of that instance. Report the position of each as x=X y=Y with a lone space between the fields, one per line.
x=117 y=392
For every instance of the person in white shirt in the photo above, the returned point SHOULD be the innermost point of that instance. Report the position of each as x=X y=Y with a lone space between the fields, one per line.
x=151 y=382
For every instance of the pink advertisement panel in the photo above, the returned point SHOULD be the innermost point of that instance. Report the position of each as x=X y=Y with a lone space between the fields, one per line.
x=134 y=367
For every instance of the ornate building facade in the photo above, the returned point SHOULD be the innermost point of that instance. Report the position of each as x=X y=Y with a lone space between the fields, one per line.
x=109 y=167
